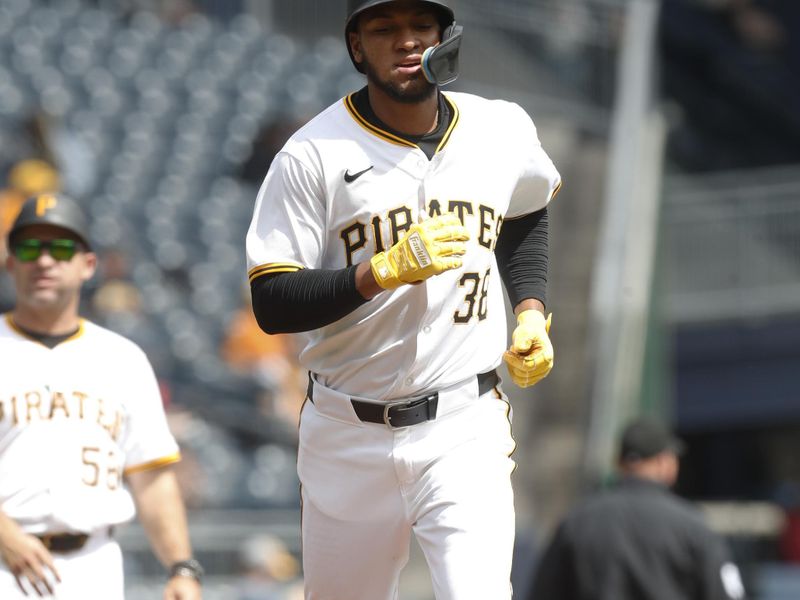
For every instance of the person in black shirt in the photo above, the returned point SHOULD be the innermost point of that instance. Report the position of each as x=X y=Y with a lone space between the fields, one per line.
x=638 y=540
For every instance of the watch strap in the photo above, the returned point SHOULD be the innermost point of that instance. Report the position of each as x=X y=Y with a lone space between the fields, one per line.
x=187 y=568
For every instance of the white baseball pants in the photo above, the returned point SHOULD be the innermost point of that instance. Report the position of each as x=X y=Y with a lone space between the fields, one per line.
x=366 y=487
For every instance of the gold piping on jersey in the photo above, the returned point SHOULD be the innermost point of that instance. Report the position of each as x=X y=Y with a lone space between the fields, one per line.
x=272 y=268
x=453 y=122
x=504 y=400
x=16 y=328
x=557 y=189
x=153 y=464
x=390 y=137
x=552 y=197
x=510 y=425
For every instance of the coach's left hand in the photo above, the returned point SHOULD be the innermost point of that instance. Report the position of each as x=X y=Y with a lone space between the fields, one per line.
x=530 y=357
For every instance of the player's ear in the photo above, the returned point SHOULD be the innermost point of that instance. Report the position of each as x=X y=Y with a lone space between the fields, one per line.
x=355 y=45
x=89 y=266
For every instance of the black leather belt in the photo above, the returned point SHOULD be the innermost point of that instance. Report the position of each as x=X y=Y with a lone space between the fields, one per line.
x=63 y=542
x=408 y=412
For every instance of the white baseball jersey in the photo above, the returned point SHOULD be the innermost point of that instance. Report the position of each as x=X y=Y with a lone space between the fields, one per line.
x=342 y=190
x=73 y=420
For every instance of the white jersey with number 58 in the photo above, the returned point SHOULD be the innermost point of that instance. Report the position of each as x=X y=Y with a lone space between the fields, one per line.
x=73 y=420
x=342 y=190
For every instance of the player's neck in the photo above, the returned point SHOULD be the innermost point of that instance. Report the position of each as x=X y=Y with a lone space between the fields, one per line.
x=46 y=321
x=414 y=119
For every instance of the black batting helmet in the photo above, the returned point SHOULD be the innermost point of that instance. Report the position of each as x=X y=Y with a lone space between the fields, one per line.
x=356 y=7
x=54 y=209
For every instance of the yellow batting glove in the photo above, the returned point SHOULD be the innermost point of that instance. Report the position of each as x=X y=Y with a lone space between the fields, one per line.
x=428 y=248
x=530 y=357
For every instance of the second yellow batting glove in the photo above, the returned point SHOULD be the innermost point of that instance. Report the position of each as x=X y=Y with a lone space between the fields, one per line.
x=530 y=357
x=428 y=248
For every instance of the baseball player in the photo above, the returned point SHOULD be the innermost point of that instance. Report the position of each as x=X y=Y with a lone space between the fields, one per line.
x=382 y=231
x=82 y=429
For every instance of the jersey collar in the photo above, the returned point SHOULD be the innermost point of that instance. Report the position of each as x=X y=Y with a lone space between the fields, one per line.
x=379 y=130
x=40 y=339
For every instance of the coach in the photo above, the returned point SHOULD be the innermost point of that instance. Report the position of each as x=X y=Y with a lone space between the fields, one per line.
x=637 y=540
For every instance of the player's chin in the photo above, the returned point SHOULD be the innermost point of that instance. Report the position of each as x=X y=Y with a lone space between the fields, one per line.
x=44 y=297
x=415 y=81
x=415 y=90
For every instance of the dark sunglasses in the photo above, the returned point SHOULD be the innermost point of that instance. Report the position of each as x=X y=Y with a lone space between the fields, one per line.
x=31 y=249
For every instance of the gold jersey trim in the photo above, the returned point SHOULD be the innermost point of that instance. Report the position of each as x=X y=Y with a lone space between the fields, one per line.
x=154 y=464
x=392 y=138
x=271 y=269
x=453 y=123
x=17 y=329
x=555 y=191
x=552 y=197
x=377 y=131
x=510 y=425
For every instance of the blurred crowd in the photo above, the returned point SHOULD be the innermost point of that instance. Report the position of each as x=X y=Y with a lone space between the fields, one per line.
x=237 y=427
x=273 y=383
x=161 y=119
x=731 y=69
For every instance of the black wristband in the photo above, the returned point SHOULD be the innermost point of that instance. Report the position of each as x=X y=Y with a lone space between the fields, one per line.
x=187 y=568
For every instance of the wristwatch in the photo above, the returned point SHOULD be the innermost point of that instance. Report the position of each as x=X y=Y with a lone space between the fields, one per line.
x=187 y=568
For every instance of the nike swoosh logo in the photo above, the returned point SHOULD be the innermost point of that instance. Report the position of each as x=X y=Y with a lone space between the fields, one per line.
x=351 y=178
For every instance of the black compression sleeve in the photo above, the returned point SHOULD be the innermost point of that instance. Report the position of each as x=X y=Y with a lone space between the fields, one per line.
x=304 y=300
x=522 y=256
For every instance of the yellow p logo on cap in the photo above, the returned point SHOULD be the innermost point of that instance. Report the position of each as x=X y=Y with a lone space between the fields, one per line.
x=44 y=203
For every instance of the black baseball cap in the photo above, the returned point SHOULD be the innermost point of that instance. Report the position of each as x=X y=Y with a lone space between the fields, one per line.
x=644 y=438
x=55 y=209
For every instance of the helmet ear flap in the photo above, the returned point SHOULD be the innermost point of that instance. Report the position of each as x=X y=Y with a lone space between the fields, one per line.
x=440 y=62
x=452 y=30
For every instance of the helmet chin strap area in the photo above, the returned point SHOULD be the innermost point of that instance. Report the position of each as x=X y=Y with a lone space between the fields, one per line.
x=440 y=63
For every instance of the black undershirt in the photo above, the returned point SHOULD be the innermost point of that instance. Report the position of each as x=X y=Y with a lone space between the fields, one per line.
x=427 y=142
x=522 y=256
x=304 y=300
x=51 y=341
x=312 y=298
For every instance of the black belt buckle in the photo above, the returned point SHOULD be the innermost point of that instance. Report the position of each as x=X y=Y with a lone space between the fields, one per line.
x=404 y=414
